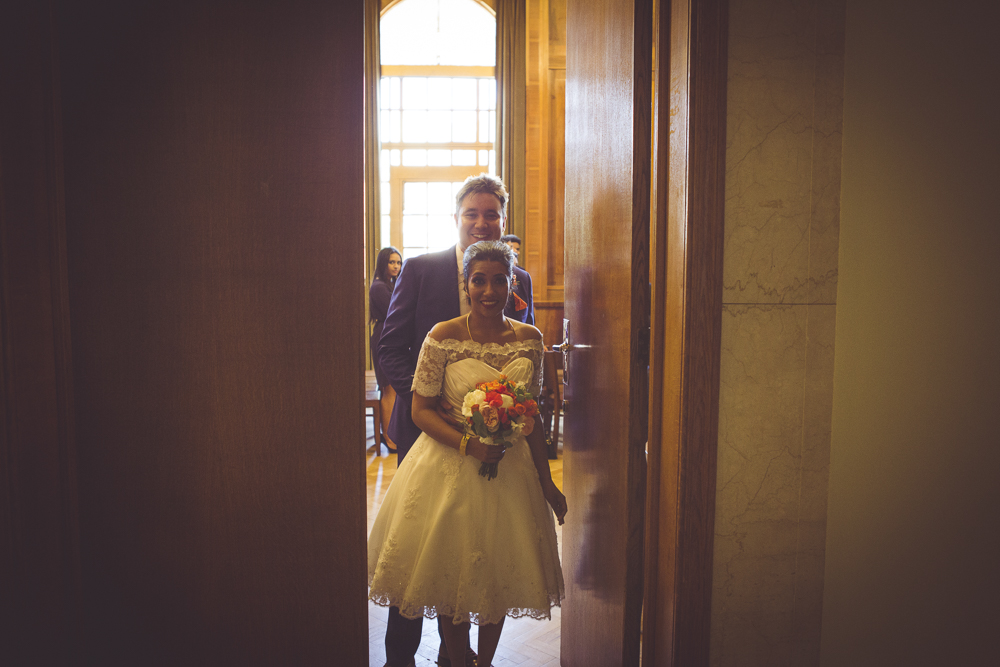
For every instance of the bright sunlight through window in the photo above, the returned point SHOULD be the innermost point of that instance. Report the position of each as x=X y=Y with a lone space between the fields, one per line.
x=438 y=116
x=438 y=32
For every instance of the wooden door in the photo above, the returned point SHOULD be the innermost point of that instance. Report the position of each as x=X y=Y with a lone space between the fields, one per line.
x=37 y=541
x=686 y=330
x=608 y=136
x=214 y=217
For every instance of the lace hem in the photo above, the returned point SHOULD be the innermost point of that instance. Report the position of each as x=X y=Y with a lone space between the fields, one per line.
x=416 y=611
x=428 y=378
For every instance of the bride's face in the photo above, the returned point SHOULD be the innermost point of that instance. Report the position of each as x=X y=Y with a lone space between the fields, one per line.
x=488 y=286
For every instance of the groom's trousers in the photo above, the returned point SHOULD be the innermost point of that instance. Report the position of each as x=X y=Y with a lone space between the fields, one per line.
x=402 y=638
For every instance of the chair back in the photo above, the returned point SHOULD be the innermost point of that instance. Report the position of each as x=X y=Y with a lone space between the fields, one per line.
x=550 y=402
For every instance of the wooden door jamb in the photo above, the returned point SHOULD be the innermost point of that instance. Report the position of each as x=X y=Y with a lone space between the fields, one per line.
x=686 y=277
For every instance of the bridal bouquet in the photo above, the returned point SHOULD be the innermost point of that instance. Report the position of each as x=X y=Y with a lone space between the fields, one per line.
x=498 y=412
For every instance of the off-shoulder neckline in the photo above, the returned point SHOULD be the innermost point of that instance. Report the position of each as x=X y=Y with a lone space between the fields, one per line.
x=454 y=342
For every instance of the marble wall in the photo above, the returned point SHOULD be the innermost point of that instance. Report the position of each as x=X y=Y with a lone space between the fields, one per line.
x=783 y=161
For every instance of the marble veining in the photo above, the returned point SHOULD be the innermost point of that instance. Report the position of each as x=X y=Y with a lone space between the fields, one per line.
x=783 y=152
x=773 y=461
x=783 y=161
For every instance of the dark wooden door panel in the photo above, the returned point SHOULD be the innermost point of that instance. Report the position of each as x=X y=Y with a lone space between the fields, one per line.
x=608 y=93
x=213 y=171
x=37 y=496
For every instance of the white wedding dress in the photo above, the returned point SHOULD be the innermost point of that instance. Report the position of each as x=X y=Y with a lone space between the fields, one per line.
x=447 y=541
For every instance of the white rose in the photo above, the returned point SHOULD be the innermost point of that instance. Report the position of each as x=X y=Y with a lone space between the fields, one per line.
x=475 y=397
x=508 y=401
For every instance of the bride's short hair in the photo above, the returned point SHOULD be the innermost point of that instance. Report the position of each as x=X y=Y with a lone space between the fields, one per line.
x=488 y=251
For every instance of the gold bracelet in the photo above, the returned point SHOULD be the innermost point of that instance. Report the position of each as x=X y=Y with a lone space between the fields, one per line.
x=465 y=443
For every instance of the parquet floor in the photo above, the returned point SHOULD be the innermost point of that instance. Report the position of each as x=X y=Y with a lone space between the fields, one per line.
x=525 y=642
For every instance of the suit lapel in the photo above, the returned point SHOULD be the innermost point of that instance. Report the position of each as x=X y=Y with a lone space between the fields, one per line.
x=450 y=266
x=439 y=293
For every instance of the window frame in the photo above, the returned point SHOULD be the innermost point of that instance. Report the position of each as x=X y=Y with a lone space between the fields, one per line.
x=400 y=174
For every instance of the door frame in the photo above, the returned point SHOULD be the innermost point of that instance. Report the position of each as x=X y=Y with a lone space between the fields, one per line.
x=686 y=279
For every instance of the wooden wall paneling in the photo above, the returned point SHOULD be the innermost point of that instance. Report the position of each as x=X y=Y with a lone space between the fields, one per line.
x=213 y=170
x=536 y=240
x=690 y=164
x=38 y=575
x=557 y=34
x=543 y=251
x=549 y=320
x=557 y=148
x=556 y=195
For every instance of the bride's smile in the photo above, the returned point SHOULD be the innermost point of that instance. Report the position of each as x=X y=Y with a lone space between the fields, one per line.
x=489 y=288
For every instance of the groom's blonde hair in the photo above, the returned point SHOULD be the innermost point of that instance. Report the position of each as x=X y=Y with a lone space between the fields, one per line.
x=484 y=183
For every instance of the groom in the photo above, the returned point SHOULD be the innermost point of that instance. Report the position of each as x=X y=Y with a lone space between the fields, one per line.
x=429 y=290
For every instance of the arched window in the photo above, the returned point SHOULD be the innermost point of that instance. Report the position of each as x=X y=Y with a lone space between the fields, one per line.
x=438 y=115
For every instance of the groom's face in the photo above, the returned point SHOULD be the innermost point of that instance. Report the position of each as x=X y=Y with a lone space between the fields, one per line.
x=479 y=218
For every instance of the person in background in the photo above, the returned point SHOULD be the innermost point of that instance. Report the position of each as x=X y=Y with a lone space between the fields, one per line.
x=521 y=289
x=514 y=241
x=431 y=290
x=388 y=264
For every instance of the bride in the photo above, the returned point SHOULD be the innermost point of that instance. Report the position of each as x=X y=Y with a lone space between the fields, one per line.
x=448 y=542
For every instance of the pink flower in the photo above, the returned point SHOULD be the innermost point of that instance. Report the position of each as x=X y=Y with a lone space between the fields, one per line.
x=490 y=418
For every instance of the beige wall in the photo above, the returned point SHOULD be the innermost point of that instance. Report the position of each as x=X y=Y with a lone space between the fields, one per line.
x=913 y=542
x=780 y=303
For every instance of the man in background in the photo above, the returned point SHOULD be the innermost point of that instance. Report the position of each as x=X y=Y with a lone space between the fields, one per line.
x=522 y=285
x=514 y=242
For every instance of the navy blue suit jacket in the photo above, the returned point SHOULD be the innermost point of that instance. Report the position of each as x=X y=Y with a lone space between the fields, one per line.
x=426 y=293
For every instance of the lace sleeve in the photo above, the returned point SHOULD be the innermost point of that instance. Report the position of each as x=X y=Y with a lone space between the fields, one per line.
x=429 y=375
x=537 y=355
x=539 y=376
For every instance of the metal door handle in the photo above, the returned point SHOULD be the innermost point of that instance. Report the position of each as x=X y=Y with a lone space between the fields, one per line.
x=566 y=347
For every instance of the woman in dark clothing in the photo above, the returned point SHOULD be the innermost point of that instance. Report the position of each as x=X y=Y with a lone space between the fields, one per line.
x=387 y=267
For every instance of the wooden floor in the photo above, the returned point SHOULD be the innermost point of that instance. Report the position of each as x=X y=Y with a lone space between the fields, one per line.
x=525 y=642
